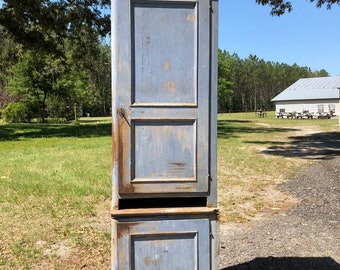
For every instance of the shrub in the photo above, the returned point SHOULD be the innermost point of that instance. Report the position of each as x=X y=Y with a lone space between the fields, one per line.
x=17 y=112
x=75 y=122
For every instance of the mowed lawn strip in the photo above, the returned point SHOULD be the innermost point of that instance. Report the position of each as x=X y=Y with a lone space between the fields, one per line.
x=55 y=184
x=256 y=155
x=55 y=192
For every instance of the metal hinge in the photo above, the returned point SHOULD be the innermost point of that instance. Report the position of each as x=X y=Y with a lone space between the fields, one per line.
x=121 y=112
x=210 y=233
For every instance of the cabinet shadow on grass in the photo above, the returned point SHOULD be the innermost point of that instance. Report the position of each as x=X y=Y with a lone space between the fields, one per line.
x=288 y=263
x=227 y=130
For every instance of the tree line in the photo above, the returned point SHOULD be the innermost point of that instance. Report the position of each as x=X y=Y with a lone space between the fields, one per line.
x=37 y=84
x=72 y=81
x=250 y=84
x=54 y=62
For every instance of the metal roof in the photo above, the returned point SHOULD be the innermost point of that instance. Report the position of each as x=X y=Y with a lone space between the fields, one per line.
x=311 y=88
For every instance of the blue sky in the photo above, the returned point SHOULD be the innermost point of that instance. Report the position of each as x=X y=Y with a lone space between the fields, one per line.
x=308 y=36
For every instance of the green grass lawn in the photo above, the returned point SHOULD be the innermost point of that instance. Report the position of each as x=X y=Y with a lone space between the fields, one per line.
x=256 y=155
x=55 y=192
x=55 y=183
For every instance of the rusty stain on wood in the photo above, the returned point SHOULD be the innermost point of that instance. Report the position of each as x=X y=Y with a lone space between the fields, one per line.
x=178 y=168
x=147 y=261
x=166 y=66
x=179 y=164
x=191 y=18
x=122 y=231
x=123 y=146
x=123 y=228
x=114 y=146
x=170 y=86
x=126 y=188
x=153 y=261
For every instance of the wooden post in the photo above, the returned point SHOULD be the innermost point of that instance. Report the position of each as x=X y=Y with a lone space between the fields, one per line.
x=75 y=111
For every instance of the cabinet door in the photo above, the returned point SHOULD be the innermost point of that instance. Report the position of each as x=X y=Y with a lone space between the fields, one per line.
x=161 y=91
x=166 y=244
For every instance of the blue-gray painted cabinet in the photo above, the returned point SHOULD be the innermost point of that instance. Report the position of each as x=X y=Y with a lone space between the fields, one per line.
x=164 y=73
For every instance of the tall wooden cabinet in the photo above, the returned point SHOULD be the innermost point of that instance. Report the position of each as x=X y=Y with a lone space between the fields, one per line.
x=164 y=76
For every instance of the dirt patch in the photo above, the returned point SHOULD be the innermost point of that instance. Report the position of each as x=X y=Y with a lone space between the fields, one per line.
x=304 y=235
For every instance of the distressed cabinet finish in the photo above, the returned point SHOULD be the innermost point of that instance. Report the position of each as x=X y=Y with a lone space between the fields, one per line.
x=161 y=81
x=163 y=242
x=164 y=85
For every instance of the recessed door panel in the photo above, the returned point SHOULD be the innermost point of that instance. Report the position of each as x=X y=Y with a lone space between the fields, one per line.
x=161 y=251
x=164 y=244
x=164 y=150
x=163 y=73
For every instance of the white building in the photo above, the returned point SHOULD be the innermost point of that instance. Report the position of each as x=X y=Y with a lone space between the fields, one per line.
x=317 y=97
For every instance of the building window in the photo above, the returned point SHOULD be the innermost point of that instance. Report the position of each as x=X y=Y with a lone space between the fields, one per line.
x=321 y=109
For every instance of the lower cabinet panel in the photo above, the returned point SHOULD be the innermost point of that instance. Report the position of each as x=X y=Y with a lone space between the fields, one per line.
x=154 y=244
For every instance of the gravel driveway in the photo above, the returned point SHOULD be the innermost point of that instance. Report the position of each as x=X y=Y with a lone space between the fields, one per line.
x=306 y=237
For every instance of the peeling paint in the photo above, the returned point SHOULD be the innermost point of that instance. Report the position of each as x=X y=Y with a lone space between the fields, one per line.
x=191 y=18
x=148 y=40
x=170 y=86
x=123 y=149
x=166 y=66
x=179 y=164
